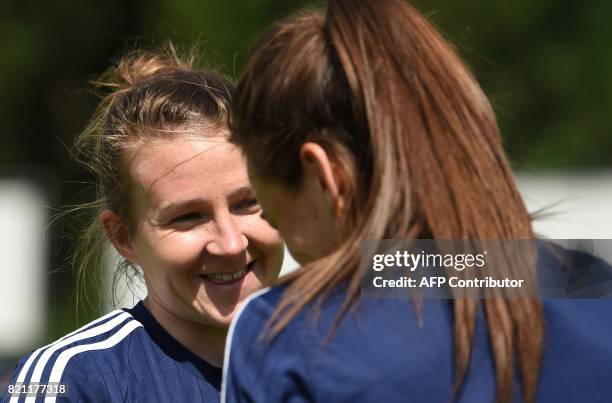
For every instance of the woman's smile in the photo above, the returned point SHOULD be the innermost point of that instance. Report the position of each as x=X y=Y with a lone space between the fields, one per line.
x=228 y=278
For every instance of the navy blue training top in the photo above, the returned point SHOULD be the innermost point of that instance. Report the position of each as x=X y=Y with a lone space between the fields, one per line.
x=383 y=352
x=125 y=356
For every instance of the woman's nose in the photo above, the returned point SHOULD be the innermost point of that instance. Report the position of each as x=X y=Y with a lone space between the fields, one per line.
x=228 y=238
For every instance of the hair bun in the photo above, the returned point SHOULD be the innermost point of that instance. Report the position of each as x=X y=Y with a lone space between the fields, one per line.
x=140 y=65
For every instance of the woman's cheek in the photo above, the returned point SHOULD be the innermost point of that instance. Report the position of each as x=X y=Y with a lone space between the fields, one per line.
x=181 y=251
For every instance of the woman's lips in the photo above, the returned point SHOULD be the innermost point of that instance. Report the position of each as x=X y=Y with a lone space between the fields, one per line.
x=228 y=278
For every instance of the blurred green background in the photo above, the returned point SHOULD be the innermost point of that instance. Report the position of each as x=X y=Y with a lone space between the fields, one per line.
x=546 y=65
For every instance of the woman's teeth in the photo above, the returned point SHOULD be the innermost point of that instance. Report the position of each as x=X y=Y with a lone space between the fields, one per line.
x=226 y=276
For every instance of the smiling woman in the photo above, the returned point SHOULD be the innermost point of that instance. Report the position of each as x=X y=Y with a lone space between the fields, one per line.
x=175 y=201
x=198 y=232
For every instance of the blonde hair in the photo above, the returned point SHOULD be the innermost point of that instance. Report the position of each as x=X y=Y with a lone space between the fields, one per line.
x=144 y=95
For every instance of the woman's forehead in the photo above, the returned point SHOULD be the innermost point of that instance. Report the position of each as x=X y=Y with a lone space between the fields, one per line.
x=167 y=169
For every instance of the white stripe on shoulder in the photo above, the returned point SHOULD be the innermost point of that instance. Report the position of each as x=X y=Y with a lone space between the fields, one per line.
x=62 y=360
x=91 y=332
x=32 y=357
x=230 y=334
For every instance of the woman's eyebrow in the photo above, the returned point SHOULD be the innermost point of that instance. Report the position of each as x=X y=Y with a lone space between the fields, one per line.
x=241 y=191
x=183 y=205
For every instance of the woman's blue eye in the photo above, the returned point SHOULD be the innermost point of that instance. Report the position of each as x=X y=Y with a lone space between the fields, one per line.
x=186 y=218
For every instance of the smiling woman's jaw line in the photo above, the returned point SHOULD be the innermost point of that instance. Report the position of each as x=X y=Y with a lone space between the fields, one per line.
x=208 y=249
x=191 y=333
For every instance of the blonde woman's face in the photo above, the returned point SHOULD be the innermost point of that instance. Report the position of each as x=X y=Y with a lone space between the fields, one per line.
x=199 y=235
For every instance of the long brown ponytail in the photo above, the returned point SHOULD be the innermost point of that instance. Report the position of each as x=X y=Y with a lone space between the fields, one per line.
x=374 y=83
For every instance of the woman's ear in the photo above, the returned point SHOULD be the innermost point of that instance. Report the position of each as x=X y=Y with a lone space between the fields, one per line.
x=117 y=232
x=320 y=168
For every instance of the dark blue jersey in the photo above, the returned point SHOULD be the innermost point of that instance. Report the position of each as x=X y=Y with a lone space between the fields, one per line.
x=382 y=351
x=125 y=356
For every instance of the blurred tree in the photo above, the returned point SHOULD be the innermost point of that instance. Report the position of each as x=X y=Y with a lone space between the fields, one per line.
x=546 y=67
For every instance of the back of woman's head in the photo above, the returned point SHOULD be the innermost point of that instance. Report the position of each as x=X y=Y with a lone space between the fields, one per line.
x=379 y=88
x=145 y=95
x=376 y=79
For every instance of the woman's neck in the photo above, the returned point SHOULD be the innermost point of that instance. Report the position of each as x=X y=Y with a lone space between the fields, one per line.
x=207 y=342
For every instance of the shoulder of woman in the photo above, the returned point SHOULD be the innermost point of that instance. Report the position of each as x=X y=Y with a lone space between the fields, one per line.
x=257 y=310
x=69 y=360
x=251 y=356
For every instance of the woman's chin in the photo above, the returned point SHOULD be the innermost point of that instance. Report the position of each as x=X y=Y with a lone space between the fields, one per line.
x=223 y=299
